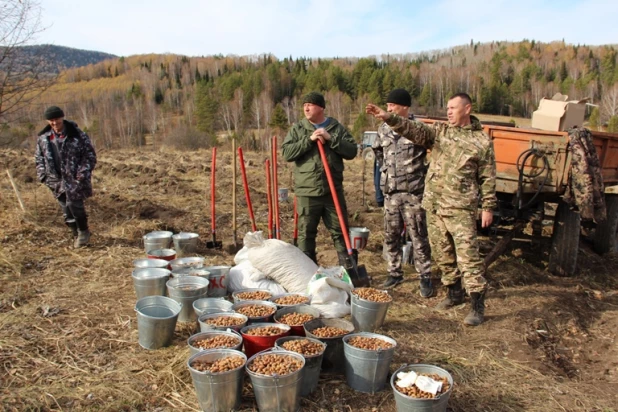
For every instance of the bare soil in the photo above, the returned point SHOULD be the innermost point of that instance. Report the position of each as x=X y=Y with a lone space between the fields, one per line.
x=68 y=332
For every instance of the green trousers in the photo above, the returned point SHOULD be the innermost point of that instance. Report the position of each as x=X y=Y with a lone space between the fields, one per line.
x=310 y=211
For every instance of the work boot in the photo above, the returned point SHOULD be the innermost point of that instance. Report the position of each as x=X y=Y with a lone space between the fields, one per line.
x=454 y=296
x=426 y=288
x=82 y=239
x=477 y=309
x=392 y=281
x=73 y=227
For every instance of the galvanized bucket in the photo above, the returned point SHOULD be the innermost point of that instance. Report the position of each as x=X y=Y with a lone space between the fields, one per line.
x=206 y=327
x=367 y=316
x=406 y=403
x=313 y=364
x=185 y=243
x=150 y=281
x=211 y=305
x=186 y=290
x=217 y=392
x=157 y=240
x=277 y=393
x=218 y=280
x=367 y=370
x=199 y=272
x=256 y=319
x=206 y=335
x=156 y=321
x=307 y=296
x=359 y=237
x=297 y=330
x=165 y=254
x=150 y=263
x=196 y=262
x=282 y=194
x=237 y=297
x=333 y=361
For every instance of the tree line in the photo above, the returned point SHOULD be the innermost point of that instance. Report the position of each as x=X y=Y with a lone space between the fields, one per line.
x=195 y=101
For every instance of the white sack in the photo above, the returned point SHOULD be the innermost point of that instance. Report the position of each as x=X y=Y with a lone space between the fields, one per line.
x=245 y=276
x=280 y=261
x=330 y=290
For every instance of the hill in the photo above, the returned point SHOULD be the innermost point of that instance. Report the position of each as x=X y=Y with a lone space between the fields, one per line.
x=59 y=58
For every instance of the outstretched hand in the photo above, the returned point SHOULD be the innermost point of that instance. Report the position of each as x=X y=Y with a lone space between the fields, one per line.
x=377 y=112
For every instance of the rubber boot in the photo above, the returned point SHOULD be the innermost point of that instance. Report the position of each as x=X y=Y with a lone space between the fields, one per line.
x=83 y=236
x=425 y=287
x=312 y=255
x=477 y=309
x=454 y=296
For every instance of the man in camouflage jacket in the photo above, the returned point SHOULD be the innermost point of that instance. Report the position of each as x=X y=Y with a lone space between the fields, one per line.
x=65 y=159
x=462 y=171
x=402 y=179
x=314 y=199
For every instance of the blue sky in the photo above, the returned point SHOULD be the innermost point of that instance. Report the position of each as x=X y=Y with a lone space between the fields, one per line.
x=318 y=28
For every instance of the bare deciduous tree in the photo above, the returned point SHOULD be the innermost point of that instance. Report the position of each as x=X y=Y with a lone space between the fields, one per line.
x=22 y=75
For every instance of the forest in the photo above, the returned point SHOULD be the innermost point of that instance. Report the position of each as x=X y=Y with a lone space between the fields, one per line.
x=192 y=102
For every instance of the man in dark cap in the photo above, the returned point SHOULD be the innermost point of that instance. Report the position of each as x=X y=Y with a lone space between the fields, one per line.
x=402 y=179
x=314 y=199
x=65 y=159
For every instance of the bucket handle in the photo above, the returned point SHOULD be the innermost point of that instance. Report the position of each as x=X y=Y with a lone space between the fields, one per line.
x=179 y=304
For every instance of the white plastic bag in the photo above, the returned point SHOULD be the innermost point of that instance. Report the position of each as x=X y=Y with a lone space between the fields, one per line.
x=330 y=289
x=280 y=261
x=245 y=276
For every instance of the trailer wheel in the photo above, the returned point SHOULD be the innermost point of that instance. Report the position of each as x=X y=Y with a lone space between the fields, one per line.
x=565 y=241
x=606 y=233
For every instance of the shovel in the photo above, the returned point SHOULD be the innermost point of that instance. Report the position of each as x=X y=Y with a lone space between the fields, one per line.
x=358 y=274
x=214 y=244
x=243 y=172
x=295 y=239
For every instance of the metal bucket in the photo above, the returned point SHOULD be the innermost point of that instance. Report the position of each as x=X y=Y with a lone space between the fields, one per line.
x=206 y=335
x=199 y=272
x=218 y=280
x=211 y=305
x=367 y=370
x=165 y=254
x=282 y=194
x=205 y=327
x=157 y=240
x=283 y=295
x=313 y=364
x=359 y=237
x=406 y=403
x=277 y=393
x=256 y=319
x=297 y=330
x=150 y=281
x=236 y=298
x=333 y=361
x=367 y=316
x=185 y=243
x=156 y=321
x=254 y=343
x=150 y=263
x=217 y=392
x=196 y=262
x=186 y=290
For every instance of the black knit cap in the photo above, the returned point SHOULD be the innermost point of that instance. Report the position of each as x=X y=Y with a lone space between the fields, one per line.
x=53 y=112
x=315 y=98
x=400 y=97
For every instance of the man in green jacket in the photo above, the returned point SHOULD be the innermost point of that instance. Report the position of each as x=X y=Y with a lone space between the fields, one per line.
x=462 y=172
x=314 y=199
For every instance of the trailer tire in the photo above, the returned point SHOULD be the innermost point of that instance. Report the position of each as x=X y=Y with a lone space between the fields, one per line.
x=565 y=241
x=606 y=233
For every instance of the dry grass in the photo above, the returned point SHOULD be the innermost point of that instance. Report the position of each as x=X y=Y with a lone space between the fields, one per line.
x=68 y=335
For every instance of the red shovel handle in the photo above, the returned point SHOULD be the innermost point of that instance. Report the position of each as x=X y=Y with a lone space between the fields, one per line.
x=246 y=186
x=333 y=192
x=213 y=168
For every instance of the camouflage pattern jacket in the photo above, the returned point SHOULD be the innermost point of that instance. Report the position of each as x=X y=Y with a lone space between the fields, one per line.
x=403 y=167
x=309 y=174
x=462 y=168
x=78 y=162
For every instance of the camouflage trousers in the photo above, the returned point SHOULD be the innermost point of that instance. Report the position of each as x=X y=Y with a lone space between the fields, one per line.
x=455 y=249
x=313 y=209
x=399 y=209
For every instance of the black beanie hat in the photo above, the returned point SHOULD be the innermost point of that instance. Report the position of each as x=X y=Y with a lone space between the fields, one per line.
x=400 y=97
x=53 y=112
x=315 y=98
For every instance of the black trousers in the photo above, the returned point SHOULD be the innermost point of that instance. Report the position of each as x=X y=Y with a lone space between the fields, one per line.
x=74 y=212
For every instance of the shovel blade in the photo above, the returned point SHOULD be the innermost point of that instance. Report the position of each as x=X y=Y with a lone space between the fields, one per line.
x=359 y=276
x=214 y=245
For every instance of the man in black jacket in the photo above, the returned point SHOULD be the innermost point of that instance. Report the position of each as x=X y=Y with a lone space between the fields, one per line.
x=65 y=159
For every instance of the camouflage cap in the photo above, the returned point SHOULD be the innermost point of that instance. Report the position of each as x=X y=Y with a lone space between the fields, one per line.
x=315 y=98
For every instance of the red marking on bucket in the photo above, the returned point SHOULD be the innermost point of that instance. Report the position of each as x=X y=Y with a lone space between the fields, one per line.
x=165 y=254
x=217 y=282
x=359 y=243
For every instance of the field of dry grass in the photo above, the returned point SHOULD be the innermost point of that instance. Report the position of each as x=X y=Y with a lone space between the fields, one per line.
x=68 y=333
